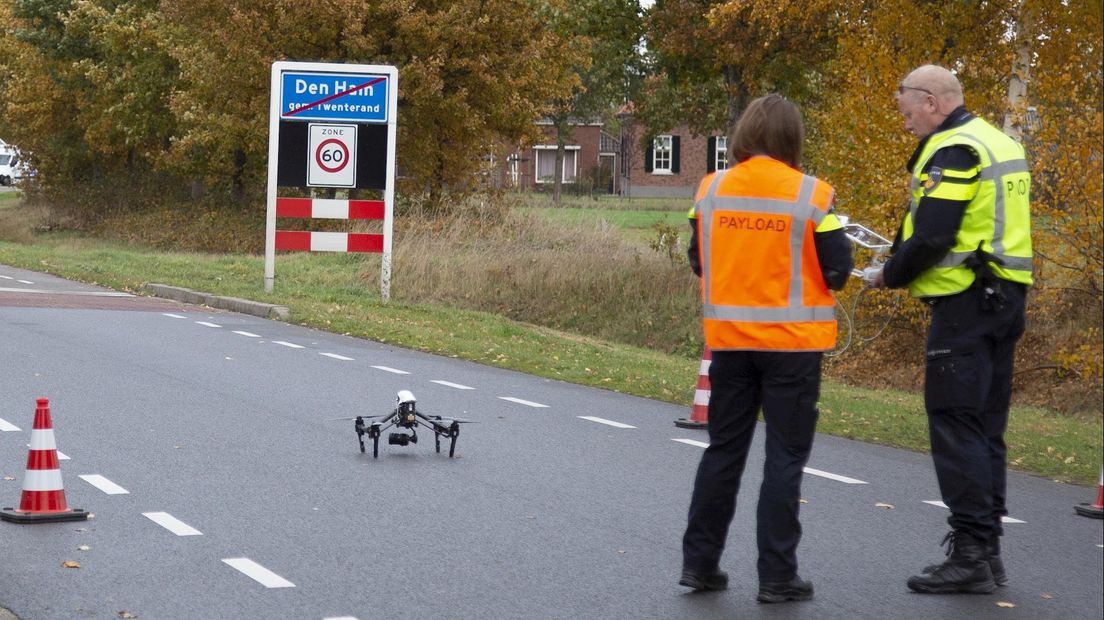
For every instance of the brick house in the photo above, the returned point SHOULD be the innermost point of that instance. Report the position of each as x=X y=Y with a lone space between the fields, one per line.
x=591 y=161
x=671 y=164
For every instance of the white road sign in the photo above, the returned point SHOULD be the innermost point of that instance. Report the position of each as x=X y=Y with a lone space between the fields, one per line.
x=331 y=155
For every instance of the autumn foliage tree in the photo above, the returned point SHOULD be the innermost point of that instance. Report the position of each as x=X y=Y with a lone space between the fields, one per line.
x=181 y=87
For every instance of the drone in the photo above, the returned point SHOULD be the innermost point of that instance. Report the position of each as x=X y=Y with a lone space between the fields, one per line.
x=870 y=240
x=406 y=416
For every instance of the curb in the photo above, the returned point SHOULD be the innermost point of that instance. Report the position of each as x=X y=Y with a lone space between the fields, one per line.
x=234 y=304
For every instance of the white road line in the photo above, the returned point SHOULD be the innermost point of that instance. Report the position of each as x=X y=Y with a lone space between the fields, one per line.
x=606 y=422
x=830 y=476
x=338 y=357
x=37 y=291
x=935 y=502
x=7 y=277
x=527 y=403
x=174 y=316
x=7 y=427
x=389 y=369
x=288 y=344
x=692 y=442
x=258 y=573
x=171 y=523
x=247 y=334
x=24 y=282
x=451 y=384
x=103 y=484
x=206 y=324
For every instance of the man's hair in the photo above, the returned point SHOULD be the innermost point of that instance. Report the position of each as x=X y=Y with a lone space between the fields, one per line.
x=771 y=125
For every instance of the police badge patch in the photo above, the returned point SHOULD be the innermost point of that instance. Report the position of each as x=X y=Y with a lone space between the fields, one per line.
x=934 y=176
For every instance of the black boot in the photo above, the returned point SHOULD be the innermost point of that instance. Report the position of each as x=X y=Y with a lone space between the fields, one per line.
x=996 y=566
x=965 y=570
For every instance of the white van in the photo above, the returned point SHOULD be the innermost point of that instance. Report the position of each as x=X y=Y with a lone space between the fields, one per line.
x=12 y=166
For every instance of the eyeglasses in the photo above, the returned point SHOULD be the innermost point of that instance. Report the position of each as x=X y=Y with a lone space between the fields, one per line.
x=901 y=88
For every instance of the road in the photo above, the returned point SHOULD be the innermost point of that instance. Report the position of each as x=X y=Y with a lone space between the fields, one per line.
x=203 y=443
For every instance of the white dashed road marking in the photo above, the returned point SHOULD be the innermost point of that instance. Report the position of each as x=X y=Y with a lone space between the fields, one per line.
x=174 y=316
x=389 y=369
x=692 y=442
x=830 y=476
x=103 y=484
x=247 y=334
x=7 y=278
x=338 y=357
x=8 y=427
x=527 y=403
x=451 y=384
x=24 y=282
x=206 y=324
x=291 y=345
x=935 y=502
x=171 y=523
x=606 y=422
x=258 y=573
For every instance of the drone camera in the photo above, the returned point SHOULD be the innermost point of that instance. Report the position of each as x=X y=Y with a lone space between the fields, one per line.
x=401 y=439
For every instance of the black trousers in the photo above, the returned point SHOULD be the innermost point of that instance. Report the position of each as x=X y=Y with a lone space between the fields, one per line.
x=786 y=386
x=967 y=391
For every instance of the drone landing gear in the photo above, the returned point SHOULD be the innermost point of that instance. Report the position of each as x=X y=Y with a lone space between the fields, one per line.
x=373 y=432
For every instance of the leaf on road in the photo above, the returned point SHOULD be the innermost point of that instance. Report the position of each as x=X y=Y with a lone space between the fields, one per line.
x=1047 y=596
x=883 y=505
x=1005 y=604
x=70 y=564
x=83 y=548
x=9 y=478
x=803 y=501
x=127 y=614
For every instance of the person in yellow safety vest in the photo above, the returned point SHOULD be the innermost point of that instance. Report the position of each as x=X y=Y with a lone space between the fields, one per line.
x=964 y=247
x=768 y=246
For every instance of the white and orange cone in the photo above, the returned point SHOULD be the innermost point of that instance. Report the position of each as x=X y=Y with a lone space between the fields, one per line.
x=43 y=498
x=699 y=413
x=1094 y=511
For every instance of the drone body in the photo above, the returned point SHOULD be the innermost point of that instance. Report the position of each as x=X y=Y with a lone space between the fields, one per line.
x=407 y=417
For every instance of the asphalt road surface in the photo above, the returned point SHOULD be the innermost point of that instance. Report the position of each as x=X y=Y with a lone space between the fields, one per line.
x=203 y=443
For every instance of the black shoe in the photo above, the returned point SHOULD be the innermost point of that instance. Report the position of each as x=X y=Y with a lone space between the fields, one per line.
x=996 y=565
x=966 y=569
x=795 y=589
x=701 y=581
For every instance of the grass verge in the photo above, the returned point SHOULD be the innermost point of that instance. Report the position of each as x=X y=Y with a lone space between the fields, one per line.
x=332 y=292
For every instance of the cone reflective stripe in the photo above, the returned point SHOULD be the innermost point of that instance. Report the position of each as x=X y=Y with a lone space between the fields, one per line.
x=1096 y=511
x=43 y=497
x=699 y=413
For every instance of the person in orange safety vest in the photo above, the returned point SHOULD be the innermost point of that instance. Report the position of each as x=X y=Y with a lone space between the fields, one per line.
x=768 y=247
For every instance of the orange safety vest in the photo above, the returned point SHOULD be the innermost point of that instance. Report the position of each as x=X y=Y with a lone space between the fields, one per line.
x=762 y=289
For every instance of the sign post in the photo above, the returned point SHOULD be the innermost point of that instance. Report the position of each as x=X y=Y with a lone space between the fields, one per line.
x=331 y=125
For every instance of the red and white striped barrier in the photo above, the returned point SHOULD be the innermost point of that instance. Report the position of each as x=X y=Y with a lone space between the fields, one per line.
x=699 y=413
x=327 y=208
x=43 y=499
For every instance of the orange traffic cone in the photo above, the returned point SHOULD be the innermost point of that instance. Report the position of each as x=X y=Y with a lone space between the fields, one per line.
x=699 y=414
x=43 y=496
x=1096 y=511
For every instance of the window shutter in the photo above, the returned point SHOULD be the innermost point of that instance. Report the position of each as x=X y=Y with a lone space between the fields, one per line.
x=674 y=154
x=648 y=157
x=711 y=155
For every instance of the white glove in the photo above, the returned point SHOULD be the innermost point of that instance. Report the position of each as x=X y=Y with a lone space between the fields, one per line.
x=870 y=274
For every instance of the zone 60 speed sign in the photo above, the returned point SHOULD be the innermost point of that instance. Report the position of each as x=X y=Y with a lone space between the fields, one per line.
x=331 y=155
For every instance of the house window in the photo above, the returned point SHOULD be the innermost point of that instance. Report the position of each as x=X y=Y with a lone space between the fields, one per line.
x=662 y=155
x=512 y=169
x=721 y=153
x=546 y=163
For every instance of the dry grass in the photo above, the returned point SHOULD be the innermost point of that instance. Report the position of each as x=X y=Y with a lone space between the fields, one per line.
x=585 y=279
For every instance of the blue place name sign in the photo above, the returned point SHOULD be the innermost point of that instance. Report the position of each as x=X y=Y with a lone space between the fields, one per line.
x=357 y=97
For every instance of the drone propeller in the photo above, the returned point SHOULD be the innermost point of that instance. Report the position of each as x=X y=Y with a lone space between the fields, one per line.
x=437 y=418
x=363 y=417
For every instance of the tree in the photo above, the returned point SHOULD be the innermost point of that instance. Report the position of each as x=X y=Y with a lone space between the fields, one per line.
x=603 y=36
